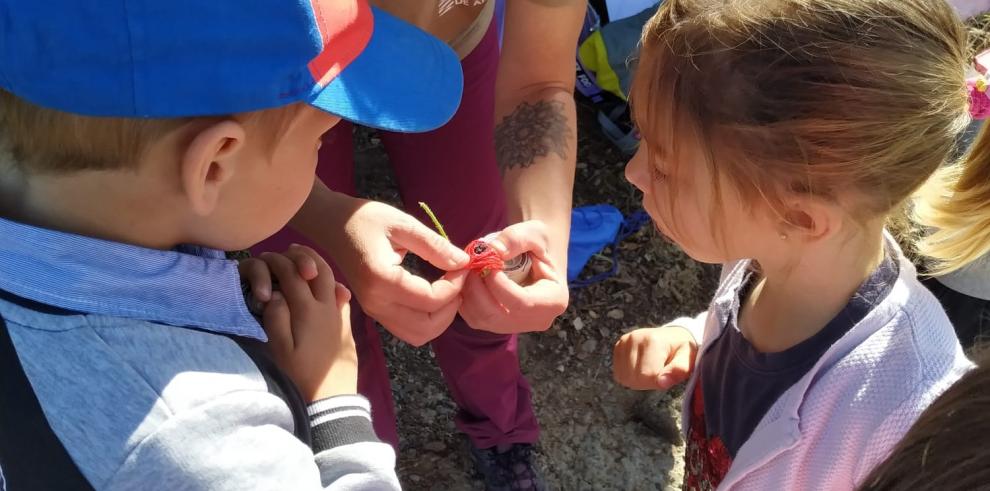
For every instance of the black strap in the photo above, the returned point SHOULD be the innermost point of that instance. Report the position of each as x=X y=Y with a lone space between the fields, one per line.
x=280 y=385
x=31 y=456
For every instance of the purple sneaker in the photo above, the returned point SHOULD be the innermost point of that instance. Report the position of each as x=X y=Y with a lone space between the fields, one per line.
x=509 y=468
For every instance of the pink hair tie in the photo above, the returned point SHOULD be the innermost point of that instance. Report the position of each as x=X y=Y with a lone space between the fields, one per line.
x=979 y=100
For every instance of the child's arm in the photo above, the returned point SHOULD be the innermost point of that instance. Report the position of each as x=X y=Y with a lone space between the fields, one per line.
x=245 y=440
x=308 y=325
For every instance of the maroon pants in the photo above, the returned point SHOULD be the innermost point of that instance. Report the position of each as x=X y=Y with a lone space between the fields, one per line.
x=454 y=170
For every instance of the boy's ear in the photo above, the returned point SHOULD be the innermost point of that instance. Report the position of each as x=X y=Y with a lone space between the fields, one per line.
x=811 y=219
x=208 y=163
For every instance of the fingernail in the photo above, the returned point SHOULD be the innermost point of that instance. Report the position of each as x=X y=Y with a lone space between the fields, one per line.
x=499 y=246
x=264 y=293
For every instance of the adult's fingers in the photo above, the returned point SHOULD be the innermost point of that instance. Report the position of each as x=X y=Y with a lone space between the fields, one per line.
x=405 y=288
x=543 y=294
x=480 y=309
x=417 y=238
x=418 y=328
x=530 y=236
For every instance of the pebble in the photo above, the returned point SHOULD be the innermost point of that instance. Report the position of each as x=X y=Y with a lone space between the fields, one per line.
x=578 y=324
x=589 y=346
x=435 y=446
x=615 y=314
x=562 y=334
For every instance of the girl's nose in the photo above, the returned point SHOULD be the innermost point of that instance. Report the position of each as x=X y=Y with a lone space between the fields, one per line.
x=637 y=172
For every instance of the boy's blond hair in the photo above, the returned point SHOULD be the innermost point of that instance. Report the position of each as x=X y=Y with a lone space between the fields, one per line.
x=48 y=141
x=45 y=141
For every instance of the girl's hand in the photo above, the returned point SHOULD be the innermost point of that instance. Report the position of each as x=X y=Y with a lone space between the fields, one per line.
x=655 y=358
x=308 y=325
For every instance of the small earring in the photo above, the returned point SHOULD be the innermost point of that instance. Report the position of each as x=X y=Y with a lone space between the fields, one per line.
x=783 y=236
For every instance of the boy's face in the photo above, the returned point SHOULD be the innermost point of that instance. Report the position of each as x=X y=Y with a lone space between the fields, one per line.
x=272 y=179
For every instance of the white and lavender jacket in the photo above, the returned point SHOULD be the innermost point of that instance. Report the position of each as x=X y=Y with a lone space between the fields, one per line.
x=845 y=415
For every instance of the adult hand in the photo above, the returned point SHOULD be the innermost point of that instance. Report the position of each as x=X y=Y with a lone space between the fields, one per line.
x=655 y=358
x=375 y=239
x=497 y=304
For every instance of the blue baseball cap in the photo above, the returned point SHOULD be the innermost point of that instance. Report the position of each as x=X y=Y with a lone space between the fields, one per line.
x=175 y=58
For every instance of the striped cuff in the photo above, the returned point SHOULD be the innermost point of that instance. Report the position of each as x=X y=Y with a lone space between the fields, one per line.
x=340 y=420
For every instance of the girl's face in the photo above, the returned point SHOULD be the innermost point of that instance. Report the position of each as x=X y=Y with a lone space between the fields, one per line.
x=693 y=219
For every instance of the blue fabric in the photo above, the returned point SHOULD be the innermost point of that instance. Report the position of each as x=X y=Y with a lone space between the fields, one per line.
x=739 y=383
x=592 y=228
x=405 y=80
x=192 y=287
x=152 y=58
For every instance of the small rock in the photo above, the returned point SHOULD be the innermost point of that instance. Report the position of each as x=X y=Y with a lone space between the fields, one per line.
x=562 y=334
x=615 y=314
x=415 y=478
x=593 y=314
x=578 y=324
x=435 y=446
x=589 y=346
x=560 y=368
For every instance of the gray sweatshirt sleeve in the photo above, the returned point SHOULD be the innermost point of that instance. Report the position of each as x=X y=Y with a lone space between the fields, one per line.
x=244 y=440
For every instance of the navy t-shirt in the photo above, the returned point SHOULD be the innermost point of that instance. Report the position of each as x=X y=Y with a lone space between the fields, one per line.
x=739 y=383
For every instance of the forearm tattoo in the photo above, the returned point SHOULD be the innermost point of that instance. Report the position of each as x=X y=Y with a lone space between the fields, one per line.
x=531 y=131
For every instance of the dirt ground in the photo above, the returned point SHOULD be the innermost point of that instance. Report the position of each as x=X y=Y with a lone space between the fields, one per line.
x=596 y=435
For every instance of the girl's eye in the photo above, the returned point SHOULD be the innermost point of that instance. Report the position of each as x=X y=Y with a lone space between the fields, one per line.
x=657 y=175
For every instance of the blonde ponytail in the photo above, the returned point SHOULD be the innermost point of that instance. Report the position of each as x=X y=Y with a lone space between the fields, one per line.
x=955 y=205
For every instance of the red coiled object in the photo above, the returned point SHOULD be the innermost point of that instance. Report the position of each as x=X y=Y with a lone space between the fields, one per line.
x=484 y=258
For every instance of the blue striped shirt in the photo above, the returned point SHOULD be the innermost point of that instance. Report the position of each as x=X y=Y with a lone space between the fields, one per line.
x=191 y=286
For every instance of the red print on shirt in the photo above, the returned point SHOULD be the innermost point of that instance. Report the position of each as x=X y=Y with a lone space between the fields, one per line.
x=706 y=460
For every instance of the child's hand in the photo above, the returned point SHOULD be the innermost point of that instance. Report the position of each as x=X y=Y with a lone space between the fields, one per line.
x=259 y=278
x=654 y=358
x=308 y=325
